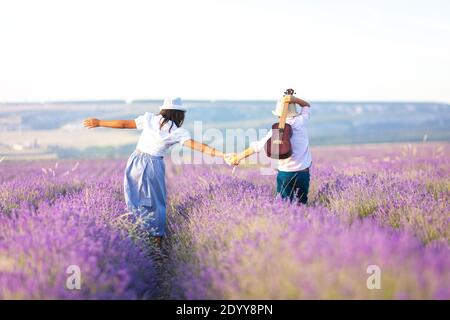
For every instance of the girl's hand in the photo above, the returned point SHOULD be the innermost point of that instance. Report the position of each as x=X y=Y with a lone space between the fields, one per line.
x=91 y=123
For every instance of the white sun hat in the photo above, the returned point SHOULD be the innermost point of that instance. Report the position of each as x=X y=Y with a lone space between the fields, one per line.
x=292 y=109
x=172 y=104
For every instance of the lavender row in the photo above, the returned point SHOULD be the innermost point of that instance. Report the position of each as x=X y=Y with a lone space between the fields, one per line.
x=87 y=229
x=370 y=208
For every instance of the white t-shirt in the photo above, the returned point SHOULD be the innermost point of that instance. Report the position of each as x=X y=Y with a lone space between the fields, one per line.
x=301 y=154
x=156 y=141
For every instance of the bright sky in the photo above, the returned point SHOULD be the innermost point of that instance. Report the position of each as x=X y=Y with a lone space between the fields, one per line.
x=228 y=49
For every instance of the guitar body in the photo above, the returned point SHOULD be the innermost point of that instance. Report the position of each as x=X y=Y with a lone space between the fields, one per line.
x=279 y=145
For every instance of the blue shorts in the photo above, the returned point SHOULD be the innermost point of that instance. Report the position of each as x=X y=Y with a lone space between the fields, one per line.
x=293 y=185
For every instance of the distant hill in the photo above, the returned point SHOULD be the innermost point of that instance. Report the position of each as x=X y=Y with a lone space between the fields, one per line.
x=331 y=122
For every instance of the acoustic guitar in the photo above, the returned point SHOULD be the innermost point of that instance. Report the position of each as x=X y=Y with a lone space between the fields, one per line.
x=279 y=145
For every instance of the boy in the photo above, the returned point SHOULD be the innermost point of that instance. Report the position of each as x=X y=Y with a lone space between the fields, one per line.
x=293 y=173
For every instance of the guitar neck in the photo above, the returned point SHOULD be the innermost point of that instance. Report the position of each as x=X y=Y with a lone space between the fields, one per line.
x=283 y=117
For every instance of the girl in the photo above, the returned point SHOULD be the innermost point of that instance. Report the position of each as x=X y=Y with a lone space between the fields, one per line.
x=144 y=181
x=293 y=173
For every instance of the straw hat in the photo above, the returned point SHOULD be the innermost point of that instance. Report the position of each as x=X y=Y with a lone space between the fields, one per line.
x=292 y=109
x=172 y=104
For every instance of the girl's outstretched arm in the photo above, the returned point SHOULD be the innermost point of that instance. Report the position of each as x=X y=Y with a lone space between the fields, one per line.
x=195 y=145
x=117 y=124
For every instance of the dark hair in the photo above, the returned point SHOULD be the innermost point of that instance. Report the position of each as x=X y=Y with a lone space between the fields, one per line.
x=176 y=116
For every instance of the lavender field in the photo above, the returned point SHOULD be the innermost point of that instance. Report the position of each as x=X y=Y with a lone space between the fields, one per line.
x=229 y=236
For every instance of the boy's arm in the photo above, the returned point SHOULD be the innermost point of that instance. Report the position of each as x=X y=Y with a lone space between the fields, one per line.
x=301 y=102
x=244 y=154
x=255 y=147
x=117 y=124
x=305 y=114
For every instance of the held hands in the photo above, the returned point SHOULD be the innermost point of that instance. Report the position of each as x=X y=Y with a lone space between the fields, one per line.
x=91 y=123
x=231 y=159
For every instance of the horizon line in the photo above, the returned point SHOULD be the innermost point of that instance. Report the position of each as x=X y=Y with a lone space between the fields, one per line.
x=151 y=100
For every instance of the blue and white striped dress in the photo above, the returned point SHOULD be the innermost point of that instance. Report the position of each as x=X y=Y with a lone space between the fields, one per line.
x=144 y=180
